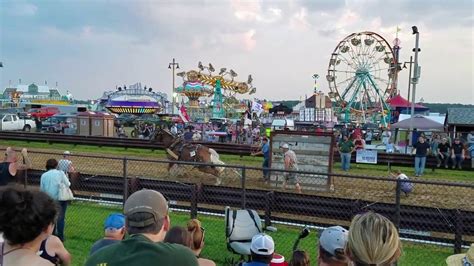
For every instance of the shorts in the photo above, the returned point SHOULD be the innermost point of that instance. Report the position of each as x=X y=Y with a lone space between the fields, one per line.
x=292 y=178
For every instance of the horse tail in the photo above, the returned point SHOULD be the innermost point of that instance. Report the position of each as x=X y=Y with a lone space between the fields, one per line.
x=214 y=153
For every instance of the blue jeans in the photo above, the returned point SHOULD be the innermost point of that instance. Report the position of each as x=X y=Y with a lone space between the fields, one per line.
x=345 y=161
x=457 y=161
x=420 y=165
x=59 y=230
x=266 y=172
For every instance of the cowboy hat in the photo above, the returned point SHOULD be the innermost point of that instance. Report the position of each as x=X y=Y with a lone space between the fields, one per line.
x=462 y=259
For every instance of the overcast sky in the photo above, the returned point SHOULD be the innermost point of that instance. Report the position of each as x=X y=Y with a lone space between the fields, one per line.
x=91 y=46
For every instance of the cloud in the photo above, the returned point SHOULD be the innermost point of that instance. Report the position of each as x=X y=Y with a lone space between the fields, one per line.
x=22 y=9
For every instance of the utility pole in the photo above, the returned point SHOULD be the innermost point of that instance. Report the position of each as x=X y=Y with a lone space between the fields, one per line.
x=173 y=65
x=409 y=77
x=414 y=80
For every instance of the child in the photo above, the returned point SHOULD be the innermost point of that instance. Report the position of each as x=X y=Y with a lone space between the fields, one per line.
x=406 y=185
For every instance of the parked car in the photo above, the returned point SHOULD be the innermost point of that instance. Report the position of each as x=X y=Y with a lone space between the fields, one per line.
x=126 y=120
x=43 y=112
x=13 y=122
x=56 y=123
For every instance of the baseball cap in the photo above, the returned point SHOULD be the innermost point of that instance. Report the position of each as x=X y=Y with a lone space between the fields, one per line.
x=333 y=238
x=67 y=153
x=146 y=201
x=262 y=244
x=114 y=221
x=285 y=146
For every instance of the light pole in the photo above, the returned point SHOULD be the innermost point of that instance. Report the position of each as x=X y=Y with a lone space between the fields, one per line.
x=409 y=77
x=414 y=80
x=173 y=65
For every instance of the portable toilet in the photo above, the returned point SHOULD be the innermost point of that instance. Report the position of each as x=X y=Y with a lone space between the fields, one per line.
x=84 y=123
x=102 y=124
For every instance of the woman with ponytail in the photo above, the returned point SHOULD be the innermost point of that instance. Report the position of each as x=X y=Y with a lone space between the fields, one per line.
x=197 y=244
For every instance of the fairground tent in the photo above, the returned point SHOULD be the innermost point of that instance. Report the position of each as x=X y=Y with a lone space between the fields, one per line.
x=419 y=122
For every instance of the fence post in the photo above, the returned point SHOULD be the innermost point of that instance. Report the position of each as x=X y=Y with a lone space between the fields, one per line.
x=194 y=201
x=458 y=229
x=25 y=177
x=244 y=196
x=268 y=208
x=396 y=219
x=125 y=181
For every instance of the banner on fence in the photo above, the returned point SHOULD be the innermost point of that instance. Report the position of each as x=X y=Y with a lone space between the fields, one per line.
x=366 y=156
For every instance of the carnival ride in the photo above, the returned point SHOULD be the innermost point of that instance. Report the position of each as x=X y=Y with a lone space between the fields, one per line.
x=361 y=74
x=133 y=100
x=222 y=87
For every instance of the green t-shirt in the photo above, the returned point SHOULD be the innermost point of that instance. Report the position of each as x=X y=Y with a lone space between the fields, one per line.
x=139 y=250
x=346 y=146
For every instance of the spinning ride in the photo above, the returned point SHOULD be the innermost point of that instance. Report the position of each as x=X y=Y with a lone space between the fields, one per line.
x=361 y=76
x=198 y=84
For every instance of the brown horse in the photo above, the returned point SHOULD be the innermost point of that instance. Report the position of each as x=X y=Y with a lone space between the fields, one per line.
x=188 y=152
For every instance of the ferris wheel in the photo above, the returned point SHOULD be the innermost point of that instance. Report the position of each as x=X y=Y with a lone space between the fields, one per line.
x=361 y=75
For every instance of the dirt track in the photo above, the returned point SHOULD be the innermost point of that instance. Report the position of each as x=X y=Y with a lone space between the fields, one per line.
x=371 y=190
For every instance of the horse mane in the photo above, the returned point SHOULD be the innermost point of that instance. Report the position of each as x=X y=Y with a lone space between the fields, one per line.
x=167 y=132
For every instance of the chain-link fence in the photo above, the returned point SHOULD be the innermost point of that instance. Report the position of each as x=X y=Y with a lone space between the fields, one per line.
x=435 y=219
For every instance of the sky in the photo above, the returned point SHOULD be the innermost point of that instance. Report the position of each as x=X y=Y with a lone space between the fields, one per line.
x=91 y=46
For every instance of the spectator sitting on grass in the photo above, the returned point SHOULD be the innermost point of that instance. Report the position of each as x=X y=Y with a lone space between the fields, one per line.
x=147 y=222
x=114 y=227
x=178 y=235
x=261 y=250
x=373 y=240
x=332 y=242
x=300 y=258
x=53 y=250
x=406 y=186
x=197 y=244
x=26 y=219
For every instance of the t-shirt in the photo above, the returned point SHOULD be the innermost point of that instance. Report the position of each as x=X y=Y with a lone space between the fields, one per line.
x=291 y=157
x=443 y=148
x=368 y=136
x=64 y=165
x=5 y=176
x=457 y=148
x=99 y=244
x=266 y=151
x=139 y=250
x=470 y=138
x=346 y=146
x=422 y=149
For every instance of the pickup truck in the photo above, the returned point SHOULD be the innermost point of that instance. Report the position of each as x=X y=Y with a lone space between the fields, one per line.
x=13 y=122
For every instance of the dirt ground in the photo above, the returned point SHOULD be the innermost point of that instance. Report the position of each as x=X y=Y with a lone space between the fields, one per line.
x=350 y=188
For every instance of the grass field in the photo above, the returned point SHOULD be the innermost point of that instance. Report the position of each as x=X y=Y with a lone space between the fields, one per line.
x=84 y=226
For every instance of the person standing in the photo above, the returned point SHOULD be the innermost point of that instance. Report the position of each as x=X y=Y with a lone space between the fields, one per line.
x=457 y=153
x=386 y=135
x=435 y=141
x=470 y=144
x=359 y=143
x=265 y=151
x=174 y=129
x=65 y=164
x=10 y=166
x=443 y=153
x=291 y=164
x=346 y=147
x=421 y=150
x=49 y=183
x=368 y=137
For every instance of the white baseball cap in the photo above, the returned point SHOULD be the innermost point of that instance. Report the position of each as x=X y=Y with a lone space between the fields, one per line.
x=333 y=238
x=262 y=244
x=285 y=146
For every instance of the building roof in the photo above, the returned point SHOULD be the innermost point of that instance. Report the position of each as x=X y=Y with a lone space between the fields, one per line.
x=460 y=116
x=41 y=89
x=311 y=102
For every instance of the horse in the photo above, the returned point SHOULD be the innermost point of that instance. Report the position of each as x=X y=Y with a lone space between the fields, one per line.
x=178 y=150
